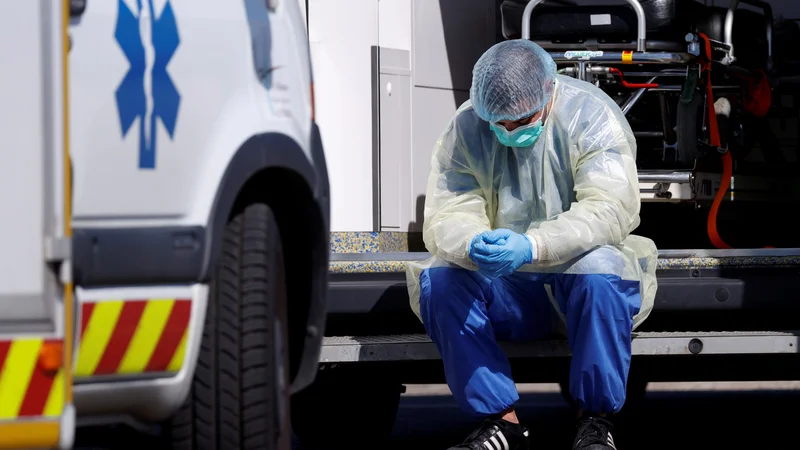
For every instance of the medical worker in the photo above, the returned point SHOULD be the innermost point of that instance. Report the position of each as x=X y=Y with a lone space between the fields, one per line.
x=530 y=204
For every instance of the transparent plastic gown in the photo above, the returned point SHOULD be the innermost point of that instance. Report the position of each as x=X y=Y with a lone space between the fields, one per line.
x=575 y=191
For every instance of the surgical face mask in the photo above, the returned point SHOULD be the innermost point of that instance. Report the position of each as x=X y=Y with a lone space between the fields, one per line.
x=523 y=136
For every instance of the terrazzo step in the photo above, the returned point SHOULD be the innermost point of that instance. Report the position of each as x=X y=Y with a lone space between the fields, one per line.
x=378 y=262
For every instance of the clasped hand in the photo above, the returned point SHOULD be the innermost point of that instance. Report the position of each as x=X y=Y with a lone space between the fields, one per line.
x=500 y=252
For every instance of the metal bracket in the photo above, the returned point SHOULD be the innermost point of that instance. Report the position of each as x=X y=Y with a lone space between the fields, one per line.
x=706 y=148
x=57 y=249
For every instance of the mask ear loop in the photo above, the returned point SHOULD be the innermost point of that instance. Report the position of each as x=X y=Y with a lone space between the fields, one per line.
x=546 y=110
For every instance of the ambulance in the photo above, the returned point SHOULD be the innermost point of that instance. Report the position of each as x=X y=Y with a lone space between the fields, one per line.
x=165 y=235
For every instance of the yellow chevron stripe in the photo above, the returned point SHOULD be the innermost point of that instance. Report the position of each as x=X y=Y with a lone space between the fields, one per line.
x=55 y=400
x=148 y=332
x=17 y=372
x=176 y=362
x=95 y=339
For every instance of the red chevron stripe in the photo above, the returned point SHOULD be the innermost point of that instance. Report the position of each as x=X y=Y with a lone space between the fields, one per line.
x=86 y=315
x=171 y=337
x=5 y=346
x=121 y=337
x=38 y=390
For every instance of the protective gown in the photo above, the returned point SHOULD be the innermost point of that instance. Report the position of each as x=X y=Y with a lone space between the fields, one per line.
x=576 y=192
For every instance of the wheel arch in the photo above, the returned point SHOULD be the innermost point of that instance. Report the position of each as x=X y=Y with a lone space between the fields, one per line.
x=273 y=168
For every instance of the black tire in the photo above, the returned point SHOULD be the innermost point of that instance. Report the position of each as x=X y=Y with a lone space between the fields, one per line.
x=239 y=397
x=324 y=414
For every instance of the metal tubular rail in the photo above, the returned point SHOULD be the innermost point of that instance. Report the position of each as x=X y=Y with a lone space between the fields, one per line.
x=665 y=177
x=617 y=57
x=641 y=28
x=729 y=16
x=730 y=58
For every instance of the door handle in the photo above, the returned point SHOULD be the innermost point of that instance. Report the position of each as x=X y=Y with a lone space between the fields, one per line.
x=76 y=8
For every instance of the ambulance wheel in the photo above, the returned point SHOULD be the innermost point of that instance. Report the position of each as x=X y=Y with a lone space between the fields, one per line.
x=239 y=397
x=323 y=414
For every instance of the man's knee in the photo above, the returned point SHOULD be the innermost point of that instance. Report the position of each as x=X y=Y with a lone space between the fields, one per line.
x=448 y=290
x=606 y=296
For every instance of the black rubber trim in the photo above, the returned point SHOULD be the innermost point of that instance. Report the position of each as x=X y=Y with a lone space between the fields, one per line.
x=137 y=255
x=260 y=152
x=315 y=328
x=678 y=290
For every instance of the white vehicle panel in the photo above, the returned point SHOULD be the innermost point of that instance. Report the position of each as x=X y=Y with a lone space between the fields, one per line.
x=31 y=126
x=342 y=40
x=222 y=102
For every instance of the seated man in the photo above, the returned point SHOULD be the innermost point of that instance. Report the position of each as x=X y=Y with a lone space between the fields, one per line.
x=530 y=204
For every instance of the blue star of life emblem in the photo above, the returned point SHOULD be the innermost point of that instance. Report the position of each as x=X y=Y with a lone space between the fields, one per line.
x=159 y=98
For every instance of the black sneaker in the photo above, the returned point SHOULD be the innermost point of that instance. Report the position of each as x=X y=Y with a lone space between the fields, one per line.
x=594 y=433
x=496 y=434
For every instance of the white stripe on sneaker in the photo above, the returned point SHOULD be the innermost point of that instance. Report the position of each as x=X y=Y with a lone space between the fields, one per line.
x=504 y=441
x=488 y=445
x=496 y=443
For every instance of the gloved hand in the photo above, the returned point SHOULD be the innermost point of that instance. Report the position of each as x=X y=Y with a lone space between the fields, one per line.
x=500 y=252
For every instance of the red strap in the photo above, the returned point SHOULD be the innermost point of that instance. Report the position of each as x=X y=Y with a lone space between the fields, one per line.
x=713 y=127
x=714 y=140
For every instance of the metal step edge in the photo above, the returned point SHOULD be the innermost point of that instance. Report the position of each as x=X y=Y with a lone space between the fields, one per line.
x=662 y=254
x=418 y=347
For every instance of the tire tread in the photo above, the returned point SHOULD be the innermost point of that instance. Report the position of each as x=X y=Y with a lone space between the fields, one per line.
x=231 y=403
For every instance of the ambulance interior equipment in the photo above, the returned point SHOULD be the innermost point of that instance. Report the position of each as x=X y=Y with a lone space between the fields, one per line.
x=700 y=86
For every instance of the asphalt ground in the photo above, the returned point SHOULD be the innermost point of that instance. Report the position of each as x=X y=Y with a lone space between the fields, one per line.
x=686 y=416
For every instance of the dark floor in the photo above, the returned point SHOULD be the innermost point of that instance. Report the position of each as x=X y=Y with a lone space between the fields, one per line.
x=707 y=420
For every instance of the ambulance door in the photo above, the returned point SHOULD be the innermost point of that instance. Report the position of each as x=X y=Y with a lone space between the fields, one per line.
x=36 y=307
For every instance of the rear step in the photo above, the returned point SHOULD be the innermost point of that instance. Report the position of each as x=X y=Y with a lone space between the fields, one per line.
x=418 y=347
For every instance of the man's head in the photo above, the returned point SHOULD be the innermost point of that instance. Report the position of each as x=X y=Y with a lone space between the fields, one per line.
x=512 y=82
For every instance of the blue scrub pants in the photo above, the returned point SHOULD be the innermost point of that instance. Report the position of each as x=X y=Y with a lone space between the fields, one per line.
x=465 y=313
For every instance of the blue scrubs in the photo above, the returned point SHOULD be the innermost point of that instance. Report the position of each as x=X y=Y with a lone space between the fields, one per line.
x=465 y=313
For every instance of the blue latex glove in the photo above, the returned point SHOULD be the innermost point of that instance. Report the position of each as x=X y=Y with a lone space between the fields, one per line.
x=500 y=252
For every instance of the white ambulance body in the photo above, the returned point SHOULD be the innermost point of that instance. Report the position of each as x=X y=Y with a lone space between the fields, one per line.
x=165 y=242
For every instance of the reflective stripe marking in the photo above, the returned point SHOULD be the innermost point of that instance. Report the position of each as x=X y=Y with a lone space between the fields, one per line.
x=55 y=401
x=38 y=391
x=4 y=347
x=26 y=389
x=153 y=320
x=98 y=332
x=86 y=313
x=170 y=343
x=121 y=337
x=133 y=336
x=177 y=360
x=17 y=371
